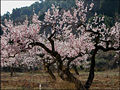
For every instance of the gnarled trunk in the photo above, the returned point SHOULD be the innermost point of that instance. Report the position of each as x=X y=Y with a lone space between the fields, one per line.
x=70 y=77
x=65 y=74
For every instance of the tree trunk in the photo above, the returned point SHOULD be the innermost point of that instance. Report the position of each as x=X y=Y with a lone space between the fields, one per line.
x=51 y=73
x=75 y=69
x=70 y=77
x=91 y=74
x=65 y=74
x=11 y=71
x=44 y=67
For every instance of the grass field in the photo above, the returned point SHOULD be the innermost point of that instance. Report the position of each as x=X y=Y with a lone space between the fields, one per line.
x=109 y=80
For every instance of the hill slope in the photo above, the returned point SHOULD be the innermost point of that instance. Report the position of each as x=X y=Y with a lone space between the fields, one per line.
x=106 y=7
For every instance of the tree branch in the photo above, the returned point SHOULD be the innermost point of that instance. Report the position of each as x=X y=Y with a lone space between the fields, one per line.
x=40 y=44
x=108 y=49
x=51 y=41
x=70 y=59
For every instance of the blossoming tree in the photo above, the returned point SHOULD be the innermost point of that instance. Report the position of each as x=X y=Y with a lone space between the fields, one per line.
x=71 y=39
x=14 y=45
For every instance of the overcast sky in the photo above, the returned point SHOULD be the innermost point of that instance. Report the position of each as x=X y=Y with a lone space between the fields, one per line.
x=8 y=5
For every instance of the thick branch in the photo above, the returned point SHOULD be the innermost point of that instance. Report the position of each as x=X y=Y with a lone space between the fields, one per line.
x=49 y=64
x=92 y=31
x=9 y=56
x=41 y=45
x=51 y=41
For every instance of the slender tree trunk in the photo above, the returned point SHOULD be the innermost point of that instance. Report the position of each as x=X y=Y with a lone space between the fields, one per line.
x=91 y=74
x=51 y=73
x=11 y=71
x=44 y=65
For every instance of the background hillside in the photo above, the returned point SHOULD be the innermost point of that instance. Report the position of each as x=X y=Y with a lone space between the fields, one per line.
x=107 y=7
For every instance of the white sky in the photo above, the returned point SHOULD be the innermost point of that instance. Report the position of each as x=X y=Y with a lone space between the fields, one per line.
x=8 y=5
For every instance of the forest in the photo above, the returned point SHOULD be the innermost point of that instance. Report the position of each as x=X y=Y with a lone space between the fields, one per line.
x=109 y=8
x=75 y=42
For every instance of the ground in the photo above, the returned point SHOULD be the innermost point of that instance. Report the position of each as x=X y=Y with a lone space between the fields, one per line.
x=32 y=81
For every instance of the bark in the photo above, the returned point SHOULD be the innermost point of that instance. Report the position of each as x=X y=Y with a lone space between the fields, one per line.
x=51 y=73
x=44 y=65
x=65 y=74
x=75 y=69
x=11 y=71
x=47 y=67
x=71 y=78
x=91 y=74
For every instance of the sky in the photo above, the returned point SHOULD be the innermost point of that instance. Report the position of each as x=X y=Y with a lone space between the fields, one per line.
x=8 y=5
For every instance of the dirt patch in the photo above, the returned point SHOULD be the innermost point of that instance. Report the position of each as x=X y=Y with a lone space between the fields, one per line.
x=101 y=81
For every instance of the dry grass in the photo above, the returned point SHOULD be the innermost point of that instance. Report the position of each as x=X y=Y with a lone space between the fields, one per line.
x=31 y=81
